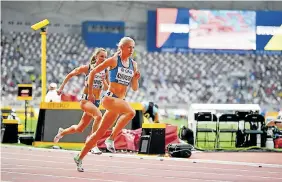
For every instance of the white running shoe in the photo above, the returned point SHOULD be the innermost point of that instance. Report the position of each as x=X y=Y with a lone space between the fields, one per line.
x=96 y=150
x=58 y=136
x=78 y=164
x=110 y=145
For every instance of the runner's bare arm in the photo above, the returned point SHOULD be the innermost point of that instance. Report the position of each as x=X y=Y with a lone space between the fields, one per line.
x=77 y=71
x=134 y=81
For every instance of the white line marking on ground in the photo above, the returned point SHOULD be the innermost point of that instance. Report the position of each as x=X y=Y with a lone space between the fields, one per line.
x=56 y=176
x=238 y=163
x=127 y=174
x=136 y=168
x=98 y=163
x=6 y=168
x=91 y=157
x=158 y=158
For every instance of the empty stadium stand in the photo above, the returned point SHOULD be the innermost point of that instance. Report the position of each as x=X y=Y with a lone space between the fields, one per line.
x=166 y=77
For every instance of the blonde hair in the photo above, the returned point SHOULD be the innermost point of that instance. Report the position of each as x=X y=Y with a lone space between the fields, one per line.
x=96 y=52
x=123 y=41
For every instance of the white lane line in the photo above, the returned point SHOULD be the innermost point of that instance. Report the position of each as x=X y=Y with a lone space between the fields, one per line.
x=93 y=158
x=136 y=168
x=57 y=176
x=6 y=168
x=157 y=158
x=127 y=174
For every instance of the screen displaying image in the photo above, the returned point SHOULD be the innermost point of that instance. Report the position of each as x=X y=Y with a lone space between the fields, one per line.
x=220 y=29
x=172 y=28
x=269 y=27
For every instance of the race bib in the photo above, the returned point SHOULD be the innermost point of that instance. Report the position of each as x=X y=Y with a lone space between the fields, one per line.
x=124 y=75
x=98 y=80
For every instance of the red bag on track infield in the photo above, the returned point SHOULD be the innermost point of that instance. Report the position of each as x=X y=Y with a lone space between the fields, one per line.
x=278 y=143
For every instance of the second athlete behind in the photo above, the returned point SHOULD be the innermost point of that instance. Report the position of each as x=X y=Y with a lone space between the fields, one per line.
x=91 y=109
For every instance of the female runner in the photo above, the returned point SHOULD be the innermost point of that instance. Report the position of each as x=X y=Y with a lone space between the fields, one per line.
x=90 y=108
x=123 y=72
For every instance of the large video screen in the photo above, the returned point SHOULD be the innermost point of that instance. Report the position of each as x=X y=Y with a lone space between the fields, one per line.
x=221 y=29
x=268 y=24
x=172 y=28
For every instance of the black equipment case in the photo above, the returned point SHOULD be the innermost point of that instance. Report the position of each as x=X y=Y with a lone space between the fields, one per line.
x=181 y=150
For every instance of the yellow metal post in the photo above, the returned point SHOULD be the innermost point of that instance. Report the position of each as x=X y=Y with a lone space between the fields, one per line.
x=42 y=26
x=43 y=63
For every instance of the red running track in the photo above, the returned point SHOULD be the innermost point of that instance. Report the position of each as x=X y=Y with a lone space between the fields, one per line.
x=22 y=164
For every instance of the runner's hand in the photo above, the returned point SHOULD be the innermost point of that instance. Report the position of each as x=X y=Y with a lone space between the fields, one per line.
x=137 y=75
x=59 y=91
x=91 y=98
